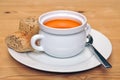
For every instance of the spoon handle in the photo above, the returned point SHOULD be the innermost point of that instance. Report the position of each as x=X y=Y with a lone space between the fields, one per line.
x=103 y=61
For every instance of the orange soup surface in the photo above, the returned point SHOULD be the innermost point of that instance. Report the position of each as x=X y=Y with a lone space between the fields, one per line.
x=62 y=23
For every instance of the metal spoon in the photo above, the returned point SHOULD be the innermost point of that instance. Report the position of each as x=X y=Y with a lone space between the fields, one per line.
x=103 y=61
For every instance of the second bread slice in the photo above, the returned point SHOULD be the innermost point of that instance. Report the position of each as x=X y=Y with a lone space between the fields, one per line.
x=29 y=26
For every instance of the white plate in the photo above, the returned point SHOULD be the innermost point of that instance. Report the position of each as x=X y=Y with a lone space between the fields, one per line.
x=84 y=61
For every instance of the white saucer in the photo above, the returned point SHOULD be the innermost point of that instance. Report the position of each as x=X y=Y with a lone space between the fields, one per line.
x=84 y=61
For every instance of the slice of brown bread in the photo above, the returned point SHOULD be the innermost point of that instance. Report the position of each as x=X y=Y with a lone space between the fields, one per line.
x=19 y=41
x=29 y=26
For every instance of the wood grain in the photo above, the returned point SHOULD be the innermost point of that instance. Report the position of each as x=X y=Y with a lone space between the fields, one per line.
x=102 y=15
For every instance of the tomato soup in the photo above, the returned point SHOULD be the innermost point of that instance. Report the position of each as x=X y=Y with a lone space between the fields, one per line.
x=62 y=23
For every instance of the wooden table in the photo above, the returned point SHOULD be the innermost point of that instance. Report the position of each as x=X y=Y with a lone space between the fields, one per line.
x=102 y=15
